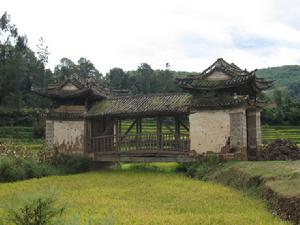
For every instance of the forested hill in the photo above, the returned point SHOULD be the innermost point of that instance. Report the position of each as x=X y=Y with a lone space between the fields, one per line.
x=284 y=75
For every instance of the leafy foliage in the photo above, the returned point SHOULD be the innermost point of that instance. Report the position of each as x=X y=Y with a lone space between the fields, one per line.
x=203 y=166
x=39 y=210
x=286 y=111
x=12 y=169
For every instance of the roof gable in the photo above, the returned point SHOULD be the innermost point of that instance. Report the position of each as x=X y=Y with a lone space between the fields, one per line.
x=69 y=87
x=218 y=75
x=222 y=75
x=226 y=68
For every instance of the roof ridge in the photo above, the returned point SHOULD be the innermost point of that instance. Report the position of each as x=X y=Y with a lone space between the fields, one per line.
x=149 y=95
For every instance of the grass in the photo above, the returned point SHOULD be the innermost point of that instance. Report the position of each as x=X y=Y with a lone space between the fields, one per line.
x=281 y=176
x=133 y=196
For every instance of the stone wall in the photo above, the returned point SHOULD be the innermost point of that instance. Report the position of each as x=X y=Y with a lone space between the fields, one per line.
x=49 y=133
x=68 y=136
x=254 y=131
x=258 y=128
x=238 y=128
x=209 y=130
x=213 y=130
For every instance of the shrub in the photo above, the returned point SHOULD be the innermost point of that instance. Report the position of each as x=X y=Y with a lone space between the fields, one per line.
x=12 y=169
x=37 y=170
x=9 y=170
x=202 y=166
x=68 y=163
x=76 y=163
x=37 y=211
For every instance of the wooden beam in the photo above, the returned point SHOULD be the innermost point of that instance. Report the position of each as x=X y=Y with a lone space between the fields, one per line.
x=177 y=133
x=129 y=129
x=182 y=124
x=169 y=128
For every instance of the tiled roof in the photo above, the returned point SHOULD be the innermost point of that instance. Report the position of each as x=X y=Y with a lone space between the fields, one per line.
x=142 y=104
x=237 y=78
x=85 y=87
x=161 y=104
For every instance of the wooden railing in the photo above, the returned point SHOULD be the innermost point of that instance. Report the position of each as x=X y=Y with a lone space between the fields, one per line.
x=140 y=142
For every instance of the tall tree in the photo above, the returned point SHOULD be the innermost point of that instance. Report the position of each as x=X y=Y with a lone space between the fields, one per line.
x=117 y=79
x=145 y=78
x=19 y=67
x=84 y=68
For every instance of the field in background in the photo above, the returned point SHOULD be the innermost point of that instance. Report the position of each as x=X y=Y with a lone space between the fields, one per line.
x=20 y=136
x=24 y=135
x=149 y=126
x=291 y=133
x=143 y=197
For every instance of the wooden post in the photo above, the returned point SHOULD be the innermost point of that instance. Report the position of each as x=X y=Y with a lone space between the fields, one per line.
x=177 y=133
x=138 y=132
x=159 y=132
x=88 y=136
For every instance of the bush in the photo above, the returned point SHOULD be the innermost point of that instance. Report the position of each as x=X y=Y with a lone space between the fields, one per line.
x=9 y=170
x=202 y=166
x=37 y=170
x=37 y=211
x=12 y=169
x=74 y=163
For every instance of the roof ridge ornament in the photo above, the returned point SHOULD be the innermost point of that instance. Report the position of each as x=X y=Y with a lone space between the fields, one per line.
x=238 y=78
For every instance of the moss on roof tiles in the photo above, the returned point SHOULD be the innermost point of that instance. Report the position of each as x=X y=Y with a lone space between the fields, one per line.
x=160 y=103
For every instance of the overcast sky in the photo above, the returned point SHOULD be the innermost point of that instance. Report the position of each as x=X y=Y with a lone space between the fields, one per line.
x=190 y=35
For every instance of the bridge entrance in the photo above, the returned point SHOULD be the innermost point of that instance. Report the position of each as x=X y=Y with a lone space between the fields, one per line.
x=152 y=139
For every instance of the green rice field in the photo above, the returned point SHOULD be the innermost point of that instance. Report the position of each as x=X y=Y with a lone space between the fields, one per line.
x=24 y=135
x=291 y=133
x=20 y=136
x=141 y=197
x=149 y=126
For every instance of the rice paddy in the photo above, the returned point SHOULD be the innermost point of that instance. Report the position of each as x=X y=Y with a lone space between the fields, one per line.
x=291 y=133
x=142 y=197
x=24 y=135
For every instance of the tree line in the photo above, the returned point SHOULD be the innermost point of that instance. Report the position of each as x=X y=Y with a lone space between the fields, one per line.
x=21 y=69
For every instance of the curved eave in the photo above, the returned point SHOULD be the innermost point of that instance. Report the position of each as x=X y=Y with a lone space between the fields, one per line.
x=57 y=94
x=226 y=85
x=262 y=85
x=221 y=103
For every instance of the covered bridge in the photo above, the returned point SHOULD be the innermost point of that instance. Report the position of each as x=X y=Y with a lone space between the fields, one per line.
x=217 y=111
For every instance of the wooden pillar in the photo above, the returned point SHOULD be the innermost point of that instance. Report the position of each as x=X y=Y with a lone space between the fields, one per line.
x=118 y=133
x=159 y=132
x=177 y=132
x=138 y=132
x=120 y=127
x=88 y=135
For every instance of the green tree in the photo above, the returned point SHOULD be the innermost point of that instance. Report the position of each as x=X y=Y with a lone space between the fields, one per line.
x=84 y=69
x=145 y=79
x=117 y=79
